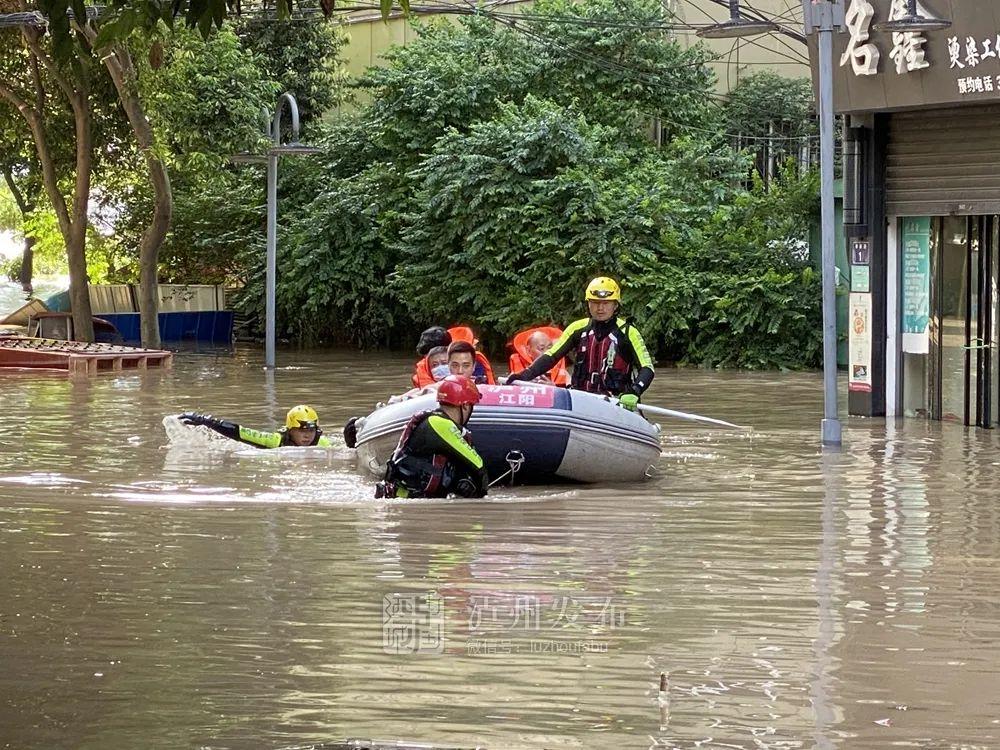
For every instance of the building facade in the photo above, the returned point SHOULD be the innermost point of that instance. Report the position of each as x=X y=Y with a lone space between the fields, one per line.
x=922 y=209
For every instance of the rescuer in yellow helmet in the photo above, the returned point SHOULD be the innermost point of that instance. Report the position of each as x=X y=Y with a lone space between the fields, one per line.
x=301 y=429
x=611 y=356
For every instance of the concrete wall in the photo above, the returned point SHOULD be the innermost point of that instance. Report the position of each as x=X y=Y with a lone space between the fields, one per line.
x=742 y=57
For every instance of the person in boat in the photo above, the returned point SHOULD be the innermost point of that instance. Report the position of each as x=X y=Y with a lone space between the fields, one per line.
x=611 y=356
x=529 y=345
x=301 y=429
x=463 y=359
x=434 y=456
x=433 y=338
x=482 y=370
x=437 y=365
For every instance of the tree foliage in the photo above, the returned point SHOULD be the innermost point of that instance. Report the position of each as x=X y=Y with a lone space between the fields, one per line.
x=765 y=104
x=496 y=166
x=301 y=56
x=493 y=172
x=205 y=100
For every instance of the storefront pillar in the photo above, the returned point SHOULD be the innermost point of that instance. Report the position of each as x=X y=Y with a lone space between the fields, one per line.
x=865 y=233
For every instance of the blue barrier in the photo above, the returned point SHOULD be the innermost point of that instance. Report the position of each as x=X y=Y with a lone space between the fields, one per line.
x=215 y=326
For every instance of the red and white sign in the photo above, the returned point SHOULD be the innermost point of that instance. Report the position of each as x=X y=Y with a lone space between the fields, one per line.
x=527 y=396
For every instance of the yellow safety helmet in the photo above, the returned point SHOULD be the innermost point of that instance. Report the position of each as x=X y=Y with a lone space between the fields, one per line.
x=603 y=288
x=301 y=416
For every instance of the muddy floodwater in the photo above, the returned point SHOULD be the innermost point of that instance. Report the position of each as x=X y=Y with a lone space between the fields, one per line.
x=194 y=598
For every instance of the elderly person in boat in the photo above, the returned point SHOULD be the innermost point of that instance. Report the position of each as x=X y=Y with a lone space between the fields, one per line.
x=437 y=366
x=433 y=339
x=531 y=343
x=611 y=356
x=301 y=429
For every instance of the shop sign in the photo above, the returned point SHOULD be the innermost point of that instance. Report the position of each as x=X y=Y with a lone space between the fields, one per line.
x=860 y=279
x=859 y=376
x=878 y=71
x=916 y=284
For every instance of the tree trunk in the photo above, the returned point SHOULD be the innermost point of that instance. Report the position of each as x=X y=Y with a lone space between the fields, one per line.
x=27 y=264
x=76 y=245
x=119 y=64
x=27 y=254
x=72 y=225
x=79 y=288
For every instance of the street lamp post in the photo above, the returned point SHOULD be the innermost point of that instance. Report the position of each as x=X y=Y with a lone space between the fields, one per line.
x=821 y=16
x=272 y=129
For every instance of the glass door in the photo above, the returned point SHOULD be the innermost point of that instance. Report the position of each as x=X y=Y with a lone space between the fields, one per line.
x=989 y=374
x=963 y=330
x=949 y=302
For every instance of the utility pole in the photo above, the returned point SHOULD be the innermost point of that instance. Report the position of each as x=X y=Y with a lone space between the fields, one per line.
x=272 y=130
x=822 y=16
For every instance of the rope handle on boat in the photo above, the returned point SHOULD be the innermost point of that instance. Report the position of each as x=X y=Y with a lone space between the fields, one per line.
x=515 y=459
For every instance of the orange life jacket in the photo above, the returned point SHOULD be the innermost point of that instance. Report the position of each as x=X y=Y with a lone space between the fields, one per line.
x=462 y=333
x=522 y=358
x=422 y=373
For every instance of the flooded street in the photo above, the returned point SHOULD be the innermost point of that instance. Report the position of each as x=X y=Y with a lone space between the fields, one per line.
x=188 y=598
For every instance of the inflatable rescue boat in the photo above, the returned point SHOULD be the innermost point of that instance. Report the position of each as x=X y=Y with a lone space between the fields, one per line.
x=546 y=434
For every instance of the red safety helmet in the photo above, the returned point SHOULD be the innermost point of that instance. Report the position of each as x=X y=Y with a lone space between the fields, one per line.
x=457 y=390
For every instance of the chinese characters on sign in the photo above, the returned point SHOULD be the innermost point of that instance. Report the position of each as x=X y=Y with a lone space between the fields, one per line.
x=907 y=48
x=967 y=54
x=972 y=56
x=531 y=396
x=860 y=279
x=916 y=284
x=861 y=255
x=860 y=336
x=862 y=54
x=861 y=252
x=881 y=70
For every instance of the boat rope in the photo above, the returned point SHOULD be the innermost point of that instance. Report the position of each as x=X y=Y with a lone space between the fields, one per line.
x=515 y=460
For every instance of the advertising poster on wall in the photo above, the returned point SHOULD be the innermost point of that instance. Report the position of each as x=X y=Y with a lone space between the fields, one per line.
x=860 y=338
x=916 y=284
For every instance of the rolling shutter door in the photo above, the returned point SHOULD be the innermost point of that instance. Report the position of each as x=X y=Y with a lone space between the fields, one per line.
x=944 y=161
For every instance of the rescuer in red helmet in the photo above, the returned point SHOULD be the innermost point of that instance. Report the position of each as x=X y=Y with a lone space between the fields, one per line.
x=434 y=456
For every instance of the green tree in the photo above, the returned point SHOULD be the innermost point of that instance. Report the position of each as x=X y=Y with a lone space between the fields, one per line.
x=614 y=62
x=205 y=98
x=521 y=211
x=773 y=118
x=493 y=172
x=54 y=107
x=766 y=104
x=302 y=56
x=453 y=76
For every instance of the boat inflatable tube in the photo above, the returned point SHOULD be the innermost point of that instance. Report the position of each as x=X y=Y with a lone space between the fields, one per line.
x=562 y=435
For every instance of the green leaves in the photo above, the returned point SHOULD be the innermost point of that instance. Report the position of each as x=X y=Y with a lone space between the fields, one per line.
x=766 y=104
x=490 y=175
x=116 y=30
